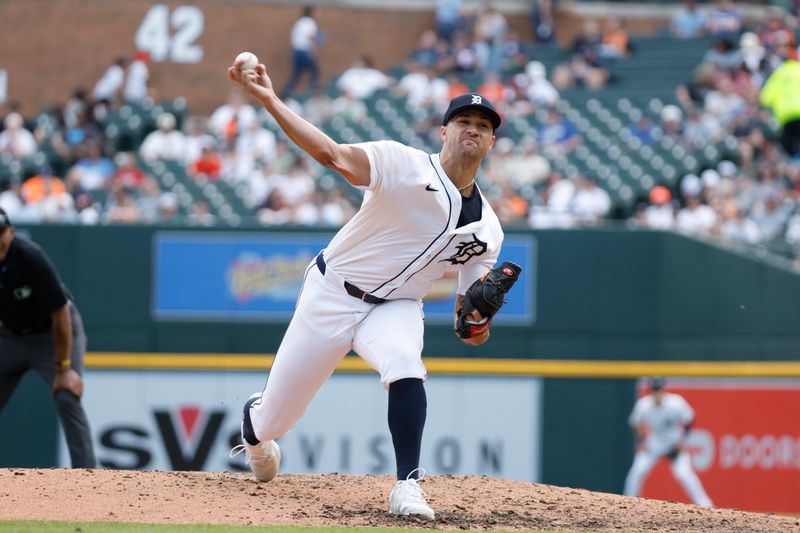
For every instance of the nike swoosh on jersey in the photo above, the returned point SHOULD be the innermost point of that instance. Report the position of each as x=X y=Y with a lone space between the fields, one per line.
x=429 y=188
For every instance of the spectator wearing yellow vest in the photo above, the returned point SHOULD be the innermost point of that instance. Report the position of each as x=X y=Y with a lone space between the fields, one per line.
x=781 y=94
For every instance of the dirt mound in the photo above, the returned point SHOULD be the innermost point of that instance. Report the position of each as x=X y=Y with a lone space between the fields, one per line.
x=460 y=502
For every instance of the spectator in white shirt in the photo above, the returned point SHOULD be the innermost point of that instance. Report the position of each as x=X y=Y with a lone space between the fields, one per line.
x=136 y=88
x=423 y=88
x=793 y=231
x=737 y=228
x=200 y=214
x=107 y=88
x=772 y=214
x=11 y=199
x=255 y=145
x=526 y=165
x=696 y=218
x=305 y=38
x=232 y=117
x=591 y=203
x=362 y=80
x=660 y=214
x=557 y=200
x=539 y=91
x=324 y=208
x=15 y=139
x=299 y=185
x=165 y=143
x=724 y=103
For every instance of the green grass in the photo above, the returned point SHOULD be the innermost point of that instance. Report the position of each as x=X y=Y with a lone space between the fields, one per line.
x=25 y=526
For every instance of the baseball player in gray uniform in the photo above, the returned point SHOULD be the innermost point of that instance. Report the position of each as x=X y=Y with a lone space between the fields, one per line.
x=661 y=422
x=422 y=215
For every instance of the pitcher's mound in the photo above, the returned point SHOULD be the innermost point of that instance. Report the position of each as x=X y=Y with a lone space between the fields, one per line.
x=460 y=502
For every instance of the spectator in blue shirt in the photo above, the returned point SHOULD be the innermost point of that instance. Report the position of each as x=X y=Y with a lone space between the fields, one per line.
x=644 y=130
x=558 y=135
x=725 y=21
x=96 y=168
x=688 y=22
x=427 y=51
x=449 y=18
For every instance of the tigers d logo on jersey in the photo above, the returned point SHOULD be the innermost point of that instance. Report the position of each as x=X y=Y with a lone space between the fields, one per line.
x=467 y=250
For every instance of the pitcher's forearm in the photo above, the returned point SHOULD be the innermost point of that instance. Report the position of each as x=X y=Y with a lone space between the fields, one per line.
x=304 y=134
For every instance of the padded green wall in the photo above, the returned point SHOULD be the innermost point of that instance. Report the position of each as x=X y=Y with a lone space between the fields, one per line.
x=600 y=295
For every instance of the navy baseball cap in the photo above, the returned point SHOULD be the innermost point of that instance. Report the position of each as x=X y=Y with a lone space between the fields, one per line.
x=471 y=101
x=4 y=221
x=656 y=383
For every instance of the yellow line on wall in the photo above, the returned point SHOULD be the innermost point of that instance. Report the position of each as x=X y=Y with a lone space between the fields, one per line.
x=556 y=368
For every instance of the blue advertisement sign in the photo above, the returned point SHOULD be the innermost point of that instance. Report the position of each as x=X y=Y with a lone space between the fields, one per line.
x=235 y=276
x=219 y=276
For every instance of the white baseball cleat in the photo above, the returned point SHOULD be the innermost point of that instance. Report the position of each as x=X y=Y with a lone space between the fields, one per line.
x=407 y=498
x=264 y=458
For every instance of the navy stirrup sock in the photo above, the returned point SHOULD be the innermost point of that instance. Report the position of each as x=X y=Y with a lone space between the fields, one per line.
x=247 y=425
x=407 y=411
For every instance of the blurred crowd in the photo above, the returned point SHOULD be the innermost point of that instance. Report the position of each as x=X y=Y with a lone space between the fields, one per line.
x=61 y=166
x=747 y=86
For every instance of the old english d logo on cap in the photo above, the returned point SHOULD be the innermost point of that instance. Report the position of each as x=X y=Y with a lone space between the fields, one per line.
x=471 y=101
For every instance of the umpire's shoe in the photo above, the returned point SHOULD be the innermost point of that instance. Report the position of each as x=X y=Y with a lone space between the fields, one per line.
x=264 y=458
x=407 y=498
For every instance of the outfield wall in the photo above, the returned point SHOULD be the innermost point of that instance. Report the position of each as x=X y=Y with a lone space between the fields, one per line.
x=597 y=310
x=592 y=294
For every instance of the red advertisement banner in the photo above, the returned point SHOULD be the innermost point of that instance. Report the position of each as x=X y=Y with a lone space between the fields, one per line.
x=745 y=444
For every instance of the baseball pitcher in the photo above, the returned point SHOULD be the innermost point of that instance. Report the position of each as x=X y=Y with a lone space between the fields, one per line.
x=422 y=216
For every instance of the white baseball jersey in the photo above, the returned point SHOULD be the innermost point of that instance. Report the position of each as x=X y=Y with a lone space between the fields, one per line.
x=404 y=237
x=665 y=423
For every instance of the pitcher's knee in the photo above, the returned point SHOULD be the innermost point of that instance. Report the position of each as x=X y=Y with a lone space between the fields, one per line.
x=402 y=367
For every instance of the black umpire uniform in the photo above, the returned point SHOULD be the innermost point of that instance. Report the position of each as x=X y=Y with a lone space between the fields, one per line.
x=41 y=329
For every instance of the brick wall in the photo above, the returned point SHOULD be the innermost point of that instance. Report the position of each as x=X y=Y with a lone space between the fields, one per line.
x=50 y=47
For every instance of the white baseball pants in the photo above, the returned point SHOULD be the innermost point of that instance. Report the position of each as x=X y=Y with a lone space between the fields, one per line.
x=326 y=325
x=681 y=467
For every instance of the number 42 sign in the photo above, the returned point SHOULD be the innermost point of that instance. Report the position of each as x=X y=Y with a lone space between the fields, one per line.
x=171 y=36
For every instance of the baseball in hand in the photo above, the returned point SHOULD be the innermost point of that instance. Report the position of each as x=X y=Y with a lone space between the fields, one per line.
x=246 y=61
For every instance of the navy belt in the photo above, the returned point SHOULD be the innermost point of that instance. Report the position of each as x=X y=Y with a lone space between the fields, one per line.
x=351 y=289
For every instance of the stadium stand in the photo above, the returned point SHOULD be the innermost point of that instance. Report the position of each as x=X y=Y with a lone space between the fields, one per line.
x=618 y=138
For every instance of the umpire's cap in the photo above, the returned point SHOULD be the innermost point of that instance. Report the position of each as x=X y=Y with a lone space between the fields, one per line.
x=471 y=101
x=4 y=221
x=656 y=383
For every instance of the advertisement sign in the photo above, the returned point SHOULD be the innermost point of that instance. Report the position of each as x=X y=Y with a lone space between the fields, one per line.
x=230 y=276
x=234 y=276
x=745 y=444
x=190 y=421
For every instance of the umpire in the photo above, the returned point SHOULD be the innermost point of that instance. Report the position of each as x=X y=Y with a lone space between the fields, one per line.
x=40 y=329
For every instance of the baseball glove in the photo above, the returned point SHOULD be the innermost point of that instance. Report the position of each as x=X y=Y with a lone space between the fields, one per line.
x=486 y=296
